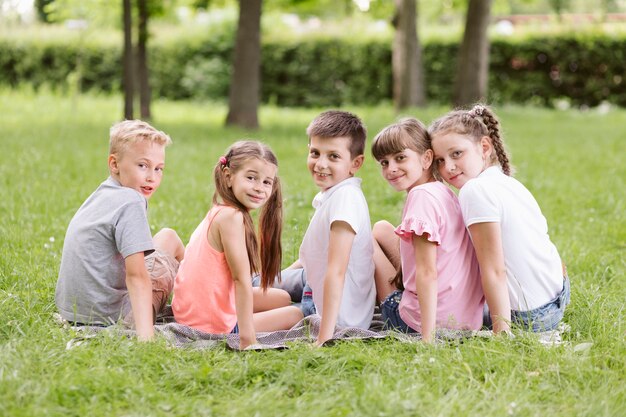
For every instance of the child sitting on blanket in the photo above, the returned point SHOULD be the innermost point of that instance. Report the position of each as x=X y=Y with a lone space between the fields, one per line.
x=213 y=289
x=439 y=270
x=524 y=279
x=335 y=260
x=112 y=268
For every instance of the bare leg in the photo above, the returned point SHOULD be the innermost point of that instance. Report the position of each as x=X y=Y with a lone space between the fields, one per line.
x=269 y=300
x=162 y=268
x=386 y=258
x=167 y=240
x=283 y=318
x=384 y=233
x=292 y=280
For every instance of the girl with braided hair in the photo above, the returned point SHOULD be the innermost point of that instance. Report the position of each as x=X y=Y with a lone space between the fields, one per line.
x=522 y=274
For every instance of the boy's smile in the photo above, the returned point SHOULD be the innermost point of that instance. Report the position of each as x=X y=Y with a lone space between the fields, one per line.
x=329 y=161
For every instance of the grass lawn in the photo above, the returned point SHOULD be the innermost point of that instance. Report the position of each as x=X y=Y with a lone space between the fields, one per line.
x=53 y=156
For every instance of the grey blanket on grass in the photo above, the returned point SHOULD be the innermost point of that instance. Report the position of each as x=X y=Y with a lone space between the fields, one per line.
x=306 y=330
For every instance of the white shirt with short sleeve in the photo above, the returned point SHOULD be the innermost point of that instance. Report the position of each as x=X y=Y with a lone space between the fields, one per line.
x=533 y=265
x=342 y=202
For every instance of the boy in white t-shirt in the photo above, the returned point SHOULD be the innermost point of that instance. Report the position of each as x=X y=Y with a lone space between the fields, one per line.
x=334 y=273
x=336 y=251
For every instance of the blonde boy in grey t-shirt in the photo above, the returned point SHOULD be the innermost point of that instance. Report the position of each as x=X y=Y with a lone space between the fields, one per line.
x=112 y=268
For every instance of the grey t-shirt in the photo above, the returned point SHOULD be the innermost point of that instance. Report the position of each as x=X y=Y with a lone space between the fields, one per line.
x=110 y=225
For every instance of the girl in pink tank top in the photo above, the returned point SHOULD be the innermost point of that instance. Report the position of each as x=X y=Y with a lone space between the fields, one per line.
x=213 y=288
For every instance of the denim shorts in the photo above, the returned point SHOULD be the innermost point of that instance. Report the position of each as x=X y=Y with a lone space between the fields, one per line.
x=235 y=329
x=391 y=314
x=306 y=305
x=544 y=318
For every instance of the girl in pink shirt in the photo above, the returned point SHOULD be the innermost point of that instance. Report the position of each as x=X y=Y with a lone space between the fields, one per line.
x=426 y=270
x=213 y=289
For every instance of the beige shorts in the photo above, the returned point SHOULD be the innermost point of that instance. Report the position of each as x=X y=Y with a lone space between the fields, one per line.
x=162 y=268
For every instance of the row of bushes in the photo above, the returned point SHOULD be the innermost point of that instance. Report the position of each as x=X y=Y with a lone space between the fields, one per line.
x=330 y=72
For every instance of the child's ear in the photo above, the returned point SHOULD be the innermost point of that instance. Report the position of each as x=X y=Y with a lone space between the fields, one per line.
x=486 y=147
x=228 y=177
x=427 y=159
x=357 y=163
x=113 y=164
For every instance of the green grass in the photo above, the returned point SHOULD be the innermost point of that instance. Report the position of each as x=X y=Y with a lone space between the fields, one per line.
x=54 y=155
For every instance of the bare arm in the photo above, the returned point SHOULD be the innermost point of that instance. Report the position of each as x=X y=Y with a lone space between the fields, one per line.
x=296 y=265
x=339 y=247
x=140 y=294
x=426 y=283
x=487 y=239
x=232 y=236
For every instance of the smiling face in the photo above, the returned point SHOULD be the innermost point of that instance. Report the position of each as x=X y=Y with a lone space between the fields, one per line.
x=253 y=182
x=459 y=159
x=406 y=169
x=139 y=166
x=329 y=161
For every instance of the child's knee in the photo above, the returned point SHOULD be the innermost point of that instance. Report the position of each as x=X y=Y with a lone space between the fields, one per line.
x=382 y=228
x=282 y=297
x=295 y=314
x=168 y=235
x=168 y=240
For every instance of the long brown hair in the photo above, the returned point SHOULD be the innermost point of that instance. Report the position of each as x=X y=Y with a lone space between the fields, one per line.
x=266 y=257
x=475 y=123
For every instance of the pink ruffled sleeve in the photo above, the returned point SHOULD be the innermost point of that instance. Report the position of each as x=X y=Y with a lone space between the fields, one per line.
x=421 y=215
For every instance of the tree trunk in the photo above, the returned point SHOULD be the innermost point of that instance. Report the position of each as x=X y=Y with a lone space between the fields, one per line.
x=245 y=84
x=127 y=79
x=142 y=60
x=473 y=62
x=408 y=76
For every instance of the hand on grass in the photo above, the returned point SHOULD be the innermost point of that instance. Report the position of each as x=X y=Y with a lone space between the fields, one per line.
x=245 y=343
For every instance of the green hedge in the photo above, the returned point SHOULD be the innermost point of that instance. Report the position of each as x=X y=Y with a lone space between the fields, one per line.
x=325 y=72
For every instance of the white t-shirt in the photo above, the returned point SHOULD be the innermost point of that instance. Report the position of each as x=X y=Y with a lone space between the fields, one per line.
x=343 y=202
x=533 y=265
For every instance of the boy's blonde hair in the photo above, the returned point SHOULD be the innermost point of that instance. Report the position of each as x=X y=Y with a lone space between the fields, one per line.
x=124 y=133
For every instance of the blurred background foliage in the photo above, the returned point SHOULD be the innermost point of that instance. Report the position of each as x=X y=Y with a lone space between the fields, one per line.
x=321 y=52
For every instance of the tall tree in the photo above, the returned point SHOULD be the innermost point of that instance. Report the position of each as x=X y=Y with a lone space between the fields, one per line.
x=142 y=59
x=473 y=61
x=128 y=64
x=43 y=12
x=245 y=83
x=408 y=74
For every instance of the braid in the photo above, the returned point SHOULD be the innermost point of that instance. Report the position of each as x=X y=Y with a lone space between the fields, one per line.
x=493 y=127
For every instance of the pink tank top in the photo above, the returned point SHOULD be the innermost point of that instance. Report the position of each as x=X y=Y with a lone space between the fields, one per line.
x=204 y=291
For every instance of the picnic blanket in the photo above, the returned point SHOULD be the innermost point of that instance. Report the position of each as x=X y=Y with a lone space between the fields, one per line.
x=180 y=335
